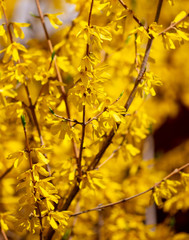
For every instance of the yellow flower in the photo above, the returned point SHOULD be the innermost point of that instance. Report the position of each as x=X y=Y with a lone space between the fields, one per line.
x=17 y=29
x=54 y=20
x=141 y=33
x=3 y=33
x=18 y=157
x=13 y=51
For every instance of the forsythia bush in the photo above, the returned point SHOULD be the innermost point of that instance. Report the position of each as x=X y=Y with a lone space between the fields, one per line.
x=76 y=108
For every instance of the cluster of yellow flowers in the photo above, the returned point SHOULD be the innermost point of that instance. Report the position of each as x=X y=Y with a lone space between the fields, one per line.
x=75 y=111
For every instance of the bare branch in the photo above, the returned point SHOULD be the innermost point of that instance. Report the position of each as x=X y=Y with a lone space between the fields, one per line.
x=98 y=208
x=81 y=146
x=4 y=234
x=57 y=71
x=28 y=149
x=6 y=172
x=144 y=62
x=109 y=138
x=110 y=157
x=133 y=15
x=67 y=119
x=172 y=25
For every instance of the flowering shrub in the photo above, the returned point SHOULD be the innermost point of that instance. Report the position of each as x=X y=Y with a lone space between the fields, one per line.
x=75 y=110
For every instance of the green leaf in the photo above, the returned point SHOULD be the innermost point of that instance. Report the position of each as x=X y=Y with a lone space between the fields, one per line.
x=66 y=234
x=33 y=15
x=128 y=39
x=172 y=221
x=121 y=94
x=23 y=121
x=51 y=110
x=53 y=55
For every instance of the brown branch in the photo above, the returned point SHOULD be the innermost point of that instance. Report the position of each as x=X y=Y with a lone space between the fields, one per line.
x=110 y=157
x=66 y=205
x=79 y=159
x=90 y=13
x=84 y=109
x=144 y=62
x=136 y=64
x=96 y=117
x=81 y=147
x=172 y=25
x=31 y=106
x=98 y=208
x=57 y=71
x=89 y=23
x=77 y=208
x=111 y=204
x=28 y=150
x=133 y=15
x=4 y=234
x=7 y=24
x=109 y=138
x=51 y=50
x=41 y=91
x=75 y=189
x=105 y=145
x=67 y=119
x=6 y=172
x=32 y=109
x=175 y=171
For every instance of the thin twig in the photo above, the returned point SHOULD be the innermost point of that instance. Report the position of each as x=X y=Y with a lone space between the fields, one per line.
x=6 y=172
x=7 y=24
x=77 y=208
x=50 y=46
x=144 y=62
x=66 y=205
x=98 y=208
x=105 y=145
x=90 y=13
x=31 y=106
x=32 y=109
x=175 y=171
x=172 y=25
x=136 y=64
x=108 y=140
x=110 y=157
x=36 y=123
x=110 y=204
x=41 y=91
x=84 y=108
x=133 y=15
x=67 y=119
x=97 y=158
x=75 y=188
x=97 y=116
x=57 y=72
x=4 y=234
x=81 y=146
x=28 y=150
